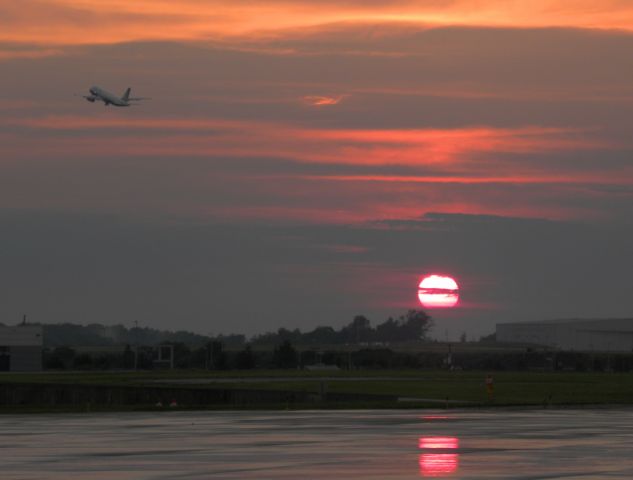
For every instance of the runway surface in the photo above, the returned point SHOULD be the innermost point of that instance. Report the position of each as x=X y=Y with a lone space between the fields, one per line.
x=527 y=444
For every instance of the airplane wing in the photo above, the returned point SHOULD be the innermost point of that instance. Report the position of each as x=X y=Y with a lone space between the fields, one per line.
x=90 y=98
x=137 y=99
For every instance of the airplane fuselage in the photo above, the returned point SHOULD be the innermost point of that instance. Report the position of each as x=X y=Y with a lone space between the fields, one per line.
x=98 y=93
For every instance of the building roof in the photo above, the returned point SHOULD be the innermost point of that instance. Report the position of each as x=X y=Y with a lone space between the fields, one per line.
x=21 y=335
x=564 y=321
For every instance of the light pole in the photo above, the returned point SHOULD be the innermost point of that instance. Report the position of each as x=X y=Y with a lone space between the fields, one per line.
x=135 y=345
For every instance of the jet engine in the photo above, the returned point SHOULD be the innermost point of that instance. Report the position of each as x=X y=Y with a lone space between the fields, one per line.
x=91 y=99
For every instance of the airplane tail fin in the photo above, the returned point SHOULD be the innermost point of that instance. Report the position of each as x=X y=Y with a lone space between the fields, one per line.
x=126 y=95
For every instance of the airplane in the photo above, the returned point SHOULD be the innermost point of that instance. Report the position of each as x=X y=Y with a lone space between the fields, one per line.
x=97 y=93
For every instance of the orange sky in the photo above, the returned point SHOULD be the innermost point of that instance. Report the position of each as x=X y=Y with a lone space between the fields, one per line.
x=80 y=22
x=447 y=149
x=457 y=159
x=401 y=135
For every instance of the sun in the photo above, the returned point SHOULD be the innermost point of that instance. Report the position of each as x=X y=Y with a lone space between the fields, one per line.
x=438 y=291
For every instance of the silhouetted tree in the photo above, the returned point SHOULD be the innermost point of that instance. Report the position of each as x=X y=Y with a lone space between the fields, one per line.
x=359 y=330
x=61 y=358
x=83 y=361
x=65 y=334
x=268 y=338
x=128 y=357
x=322 y=336
x=216 y=355
x=285 y=356
x=232 y=340
x=412 y=326
x=245 y=360
x=492 y=338
x=387 y=331
x=415 y=325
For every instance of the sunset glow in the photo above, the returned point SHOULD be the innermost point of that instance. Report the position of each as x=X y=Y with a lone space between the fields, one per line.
x=438 y=460
x=64 y=21
x=334 y=152
x=438 y=464
x=438 y=442
x=437 y=291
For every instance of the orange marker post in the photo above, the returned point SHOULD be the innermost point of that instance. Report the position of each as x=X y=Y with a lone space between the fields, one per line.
x=490 y=387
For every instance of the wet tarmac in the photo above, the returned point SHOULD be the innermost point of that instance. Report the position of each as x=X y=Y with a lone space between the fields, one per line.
x=528 y=444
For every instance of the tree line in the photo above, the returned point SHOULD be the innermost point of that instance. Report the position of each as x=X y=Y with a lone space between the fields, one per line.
x=414 y=325
x=213 y=356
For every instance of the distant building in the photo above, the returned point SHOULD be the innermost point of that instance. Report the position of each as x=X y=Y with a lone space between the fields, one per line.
x=600 y=335
x=21 y=348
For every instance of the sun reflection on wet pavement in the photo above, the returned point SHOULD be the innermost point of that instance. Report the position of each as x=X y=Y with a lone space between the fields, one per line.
x=588 y=444
x=439 y=458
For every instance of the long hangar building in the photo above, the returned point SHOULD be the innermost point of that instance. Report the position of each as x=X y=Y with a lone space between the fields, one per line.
x=21 y=348
x=599 y=335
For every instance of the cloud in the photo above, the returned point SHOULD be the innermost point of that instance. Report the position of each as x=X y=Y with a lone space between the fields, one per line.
x=440 y=221
x=13 y=51
x=470 y=180
x=163 y=272
x=253 y=170
x=65 y=22
x=207 y=136
x=476 y=120
x=302 y=147
x=449 y=76
x=321 y=101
